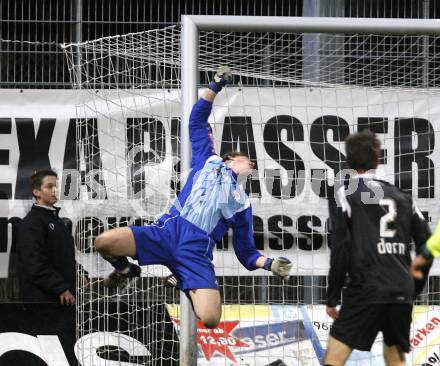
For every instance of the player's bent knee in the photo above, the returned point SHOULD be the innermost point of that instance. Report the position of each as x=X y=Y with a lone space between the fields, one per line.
x=104 y=242
x=100 y=243
x=210 y=321
x=116 y=242
x=207 y=306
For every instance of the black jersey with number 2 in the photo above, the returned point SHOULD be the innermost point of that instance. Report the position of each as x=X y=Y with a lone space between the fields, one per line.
x=372 y=226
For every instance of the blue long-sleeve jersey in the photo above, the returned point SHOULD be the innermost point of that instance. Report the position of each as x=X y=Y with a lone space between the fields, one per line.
x=211 y=198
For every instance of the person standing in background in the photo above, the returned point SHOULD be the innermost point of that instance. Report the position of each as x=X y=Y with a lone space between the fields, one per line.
x=45 y=247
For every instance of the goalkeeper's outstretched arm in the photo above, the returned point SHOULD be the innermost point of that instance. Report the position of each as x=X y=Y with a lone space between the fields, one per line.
x=247 y=253
x=202 y=146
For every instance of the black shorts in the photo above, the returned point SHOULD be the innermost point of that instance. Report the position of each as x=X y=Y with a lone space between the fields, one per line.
x=358 y=325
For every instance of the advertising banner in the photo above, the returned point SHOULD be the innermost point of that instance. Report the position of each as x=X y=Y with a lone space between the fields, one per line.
x=41 y=334
x=292 y=335
x=260 y=335
x=129 y=152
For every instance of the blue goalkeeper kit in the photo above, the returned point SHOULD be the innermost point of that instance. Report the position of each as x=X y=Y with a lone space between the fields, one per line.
x=210 y=202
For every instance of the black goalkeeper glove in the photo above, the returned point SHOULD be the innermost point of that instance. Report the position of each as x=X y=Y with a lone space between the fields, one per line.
x=280 y=266
x=222 y=77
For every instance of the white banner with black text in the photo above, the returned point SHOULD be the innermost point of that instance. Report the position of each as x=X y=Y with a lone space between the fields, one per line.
x=127 y=158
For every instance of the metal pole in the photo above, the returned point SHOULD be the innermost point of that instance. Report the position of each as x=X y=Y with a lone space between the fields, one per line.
x=316 y=25
x=424 y=296
x=78 y=38
x=263 y=281
x=190 y=76
x=321 y=51
x=77 y=85
x=425 y=48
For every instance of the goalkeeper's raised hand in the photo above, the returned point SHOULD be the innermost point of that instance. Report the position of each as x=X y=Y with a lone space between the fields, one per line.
x=222 y=77
x=280 y=266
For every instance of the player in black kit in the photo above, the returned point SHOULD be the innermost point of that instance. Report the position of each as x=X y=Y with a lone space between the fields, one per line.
x=372 y=224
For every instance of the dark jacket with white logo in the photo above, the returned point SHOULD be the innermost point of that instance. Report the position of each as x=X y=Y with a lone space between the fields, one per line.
x=46 y=256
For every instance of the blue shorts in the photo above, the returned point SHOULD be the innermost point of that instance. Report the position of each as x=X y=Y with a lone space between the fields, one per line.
x=182 y=247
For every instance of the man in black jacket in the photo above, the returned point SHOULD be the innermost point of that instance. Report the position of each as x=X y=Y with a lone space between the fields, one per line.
x=45 y=247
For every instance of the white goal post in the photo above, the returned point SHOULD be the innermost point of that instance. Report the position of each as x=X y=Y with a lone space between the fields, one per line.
x=189 y=84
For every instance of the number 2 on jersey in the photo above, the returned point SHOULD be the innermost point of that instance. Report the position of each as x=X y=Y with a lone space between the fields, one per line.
x=388 y=218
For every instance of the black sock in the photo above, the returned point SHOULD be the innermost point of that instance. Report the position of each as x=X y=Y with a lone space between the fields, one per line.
x=119 y=263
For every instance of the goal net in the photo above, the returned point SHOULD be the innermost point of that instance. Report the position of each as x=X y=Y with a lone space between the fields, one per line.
x=293 y=100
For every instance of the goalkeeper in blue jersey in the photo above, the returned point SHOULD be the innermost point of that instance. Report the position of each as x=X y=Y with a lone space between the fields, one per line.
x=211 y=201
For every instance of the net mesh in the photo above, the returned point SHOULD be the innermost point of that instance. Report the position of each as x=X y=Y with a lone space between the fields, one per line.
x=151 y=59
x=293 y=100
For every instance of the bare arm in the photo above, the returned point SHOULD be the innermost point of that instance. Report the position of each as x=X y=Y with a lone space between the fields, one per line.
x=260 y=261
x=209 y=95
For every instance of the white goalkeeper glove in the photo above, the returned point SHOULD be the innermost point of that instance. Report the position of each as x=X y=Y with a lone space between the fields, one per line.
x=280 y=266
x=223 y=76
